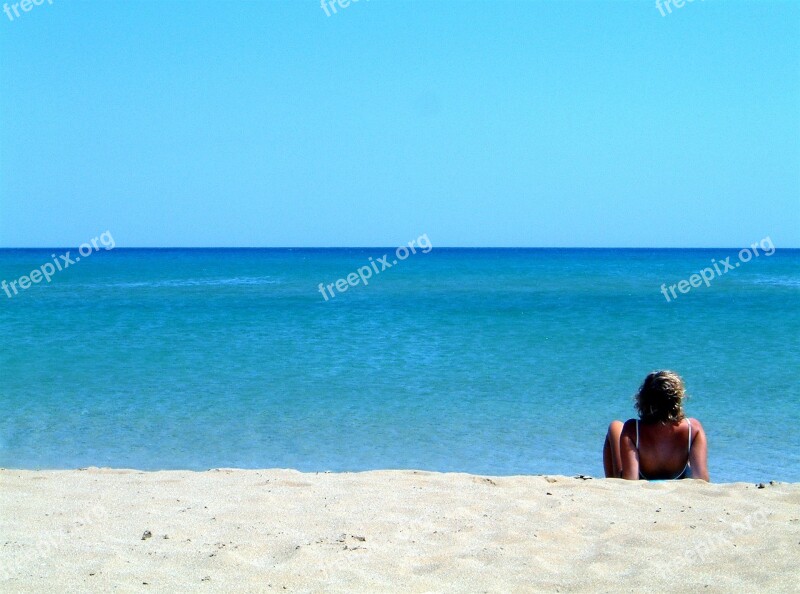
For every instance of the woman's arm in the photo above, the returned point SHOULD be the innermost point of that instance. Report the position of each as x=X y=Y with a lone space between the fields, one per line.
x=698 y=456
x=628 y=452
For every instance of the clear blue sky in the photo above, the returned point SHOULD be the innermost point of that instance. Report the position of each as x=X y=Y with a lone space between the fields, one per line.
x=479 y=123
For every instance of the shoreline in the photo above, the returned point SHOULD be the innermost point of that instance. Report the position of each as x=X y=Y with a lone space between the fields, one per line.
x=583 y=477
x=389 y=530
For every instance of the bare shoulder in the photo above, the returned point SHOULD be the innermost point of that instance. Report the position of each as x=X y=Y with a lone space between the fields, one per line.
x=629 y=428
x=697 y=426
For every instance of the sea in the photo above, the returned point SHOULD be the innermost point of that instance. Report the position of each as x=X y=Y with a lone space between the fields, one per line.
x=486 y=361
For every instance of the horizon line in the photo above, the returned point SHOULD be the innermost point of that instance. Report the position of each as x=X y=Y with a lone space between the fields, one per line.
x=389 y=247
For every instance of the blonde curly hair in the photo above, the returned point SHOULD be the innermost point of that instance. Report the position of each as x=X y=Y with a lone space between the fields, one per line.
x=660 y=398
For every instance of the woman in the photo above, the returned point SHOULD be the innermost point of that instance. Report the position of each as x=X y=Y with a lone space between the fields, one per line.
x=663 y=443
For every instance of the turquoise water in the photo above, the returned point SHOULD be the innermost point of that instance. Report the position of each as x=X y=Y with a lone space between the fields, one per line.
x=484 y=361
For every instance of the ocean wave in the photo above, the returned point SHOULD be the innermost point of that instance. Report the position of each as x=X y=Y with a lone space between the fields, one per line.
x=778 y=282
x=196 y=282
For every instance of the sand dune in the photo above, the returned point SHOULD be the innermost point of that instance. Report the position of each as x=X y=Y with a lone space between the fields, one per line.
x=390 y=531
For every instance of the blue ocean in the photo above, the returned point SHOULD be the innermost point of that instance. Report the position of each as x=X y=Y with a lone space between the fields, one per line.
x=489 y=361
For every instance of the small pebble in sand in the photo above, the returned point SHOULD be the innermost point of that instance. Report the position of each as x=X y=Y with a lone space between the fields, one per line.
x=147 y=534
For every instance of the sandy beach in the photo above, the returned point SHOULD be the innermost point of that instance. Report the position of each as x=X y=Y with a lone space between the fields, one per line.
x=390 y=531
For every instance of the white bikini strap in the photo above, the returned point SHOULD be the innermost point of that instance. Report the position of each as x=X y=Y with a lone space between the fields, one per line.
x=690 y=435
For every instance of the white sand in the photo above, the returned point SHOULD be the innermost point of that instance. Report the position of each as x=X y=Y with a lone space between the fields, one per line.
x=390 y=531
